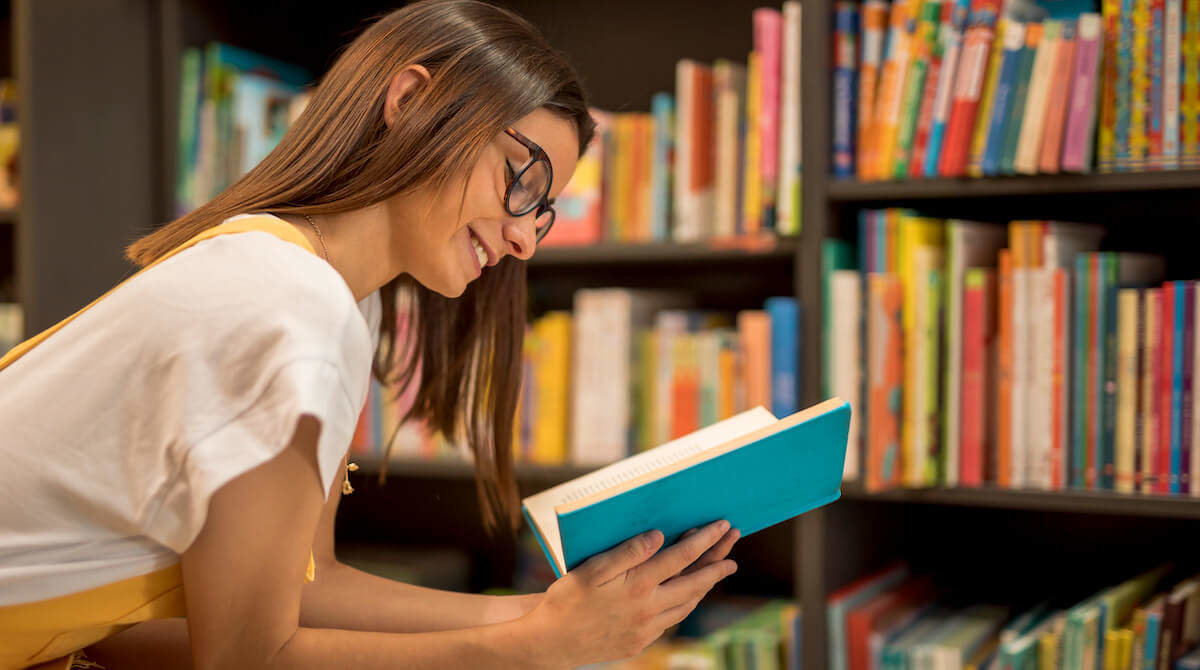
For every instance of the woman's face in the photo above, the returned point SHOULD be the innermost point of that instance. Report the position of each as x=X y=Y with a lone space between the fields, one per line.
x=437 y=241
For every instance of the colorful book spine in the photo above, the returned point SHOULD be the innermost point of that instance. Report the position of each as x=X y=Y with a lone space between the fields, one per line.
x=1189 y=105
x=925 y=107
x=1185 y=410
x=951 y=38
x=1001 y=107
x=1013 y=125
x=1080 y=444
x=662 y=107
x=1108 y=344
x=1033 y=122
x=1139 y=107
x=1179 y=344
x=1056 y=107
x=1060 y=381
x=885 y=376
x=694 y=164
x=1002 y=469
x=1081 y=120
x=968 y=87
x=1165 y=386
x=1128 y=312
x=790 y=143
x=1172 y=76
x=978 y=335
x=891 y=85
x=1156 y=42
x=1123 y=123
x=784 y=315
x=751 y=198
x=768 y=43
x=1194 y=445
x=845 y=29
x=1151 y=368
x=1106 y=152
x=874 y=29
x=921 y=45
x=983 y=125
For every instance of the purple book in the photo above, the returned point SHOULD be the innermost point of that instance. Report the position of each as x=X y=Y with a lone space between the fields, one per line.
x=1081 y=117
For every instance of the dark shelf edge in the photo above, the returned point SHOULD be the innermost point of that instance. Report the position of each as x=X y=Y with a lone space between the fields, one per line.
x=1060 y=184
x=1088 y=502
x=610 y=253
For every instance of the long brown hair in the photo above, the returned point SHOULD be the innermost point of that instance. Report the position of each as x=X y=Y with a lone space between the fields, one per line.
x=488 y=68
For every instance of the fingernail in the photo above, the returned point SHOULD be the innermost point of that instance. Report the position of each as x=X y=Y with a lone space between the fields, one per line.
x=724 y=526
x=732 y=568
x=736 y=534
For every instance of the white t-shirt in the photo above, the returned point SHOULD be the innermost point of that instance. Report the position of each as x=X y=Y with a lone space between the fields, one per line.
x=116 y=431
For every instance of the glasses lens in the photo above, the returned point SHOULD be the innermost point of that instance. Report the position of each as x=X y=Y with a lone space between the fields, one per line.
x=532 y=185
x=544 y=223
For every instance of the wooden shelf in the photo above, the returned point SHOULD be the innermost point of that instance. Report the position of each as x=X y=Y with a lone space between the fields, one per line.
x=992 y=187
x=716 y=251
x=8 y=217
x=1071 y=501
x=456 y=469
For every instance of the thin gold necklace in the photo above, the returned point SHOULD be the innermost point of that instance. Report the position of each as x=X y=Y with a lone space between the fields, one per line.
x=320 y=237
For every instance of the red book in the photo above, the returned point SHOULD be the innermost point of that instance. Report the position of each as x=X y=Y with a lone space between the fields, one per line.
x=977 y=351
x=1162 y=484
x=1095 y=350
x=968 y=87
x=916 y=162
x=1002 y=468
x=1059 y=384
x=1056 y=107
x=862 y=621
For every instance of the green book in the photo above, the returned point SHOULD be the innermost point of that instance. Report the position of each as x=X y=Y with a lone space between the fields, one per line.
x=923 y=42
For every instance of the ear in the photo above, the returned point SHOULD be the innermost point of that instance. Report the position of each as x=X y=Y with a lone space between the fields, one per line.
x=404 y=82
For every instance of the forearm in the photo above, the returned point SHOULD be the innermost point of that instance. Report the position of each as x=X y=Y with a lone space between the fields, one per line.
x=349 y=599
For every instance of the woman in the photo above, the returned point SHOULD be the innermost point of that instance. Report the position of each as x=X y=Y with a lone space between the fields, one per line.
x=183 y=439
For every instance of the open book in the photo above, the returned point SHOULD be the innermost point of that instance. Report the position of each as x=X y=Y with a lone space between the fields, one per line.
x=752 y=469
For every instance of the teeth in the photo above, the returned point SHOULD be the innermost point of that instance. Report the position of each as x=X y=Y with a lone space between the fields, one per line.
x=479 y=252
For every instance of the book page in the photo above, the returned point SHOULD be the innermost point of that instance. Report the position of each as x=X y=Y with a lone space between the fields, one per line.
x=541 y=506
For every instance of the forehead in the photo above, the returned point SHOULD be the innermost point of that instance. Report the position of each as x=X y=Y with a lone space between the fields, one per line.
x=558 y=138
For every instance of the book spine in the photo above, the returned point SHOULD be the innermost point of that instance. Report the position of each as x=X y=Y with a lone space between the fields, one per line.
x=1033 y=123
x=874 y=28
x=1122 y=147
x=921 y=45
x=1109 y=377
x=726 y=152
x=1039 y=437
x=968 y=88
x=768 y=42
x=933 y=342
x=886 y=373
x=974 y=377
x=1081 y=372
x=1001 y=108
x=1004 y=362
x=1127 y=355
x=681 y=227
x=846 y=294
x=951 y=37
x=751 y=171
x=1194 y=454
x=784 y=314
x=1179 y=318
x=790 y=143
x=1172 y=74
x=1139 y=106
x=1154 y=120
x=1151 y=365
x=1077 y=145
x=1061 y=380
x=1106 y=137
x=891 y=86
x=1186 y=415
x=983 y=125
x=1016 y=113
x=1189 y=106
x=1162 y=482
x=845 y=18
x=928 y=101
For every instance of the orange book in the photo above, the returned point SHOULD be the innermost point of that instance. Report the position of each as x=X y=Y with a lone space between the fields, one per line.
x=1002 y=471
x=1059 y=383
x=685 y=388
x=754 y=334
x=727 y=371
x=885 y=380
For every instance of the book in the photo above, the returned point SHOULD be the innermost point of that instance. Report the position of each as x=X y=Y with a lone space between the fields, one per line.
x=846 y=356
x=768 y=44
x=1033 y=123
x=785 y=467
x=922 y=44
x=968 y=87
x=850 y=597
x=892 y=81
x=950 y=38
x=1058 y=102
x=874 y=22
x=662 y=107
x=751 y=196
x=1001 y=106
x=978 y=376
x=580 y=205
x=693 y=158
x=885 y=378
x=784 y=315
x=729 y=85
x=845 y=52
x=1024 y=78
x=790 y=141
x=1081 y=119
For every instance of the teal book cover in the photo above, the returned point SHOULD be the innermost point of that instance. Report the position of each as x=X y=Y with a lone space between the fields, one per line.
x=752 y=469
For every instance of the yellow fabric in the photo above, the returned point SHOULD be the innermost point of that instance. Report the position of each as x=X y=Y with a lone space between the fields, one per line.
x=43 y=631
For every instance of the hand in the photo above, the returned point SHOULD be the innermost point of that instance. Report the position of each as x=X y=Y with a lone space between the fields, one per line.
x=617 y=603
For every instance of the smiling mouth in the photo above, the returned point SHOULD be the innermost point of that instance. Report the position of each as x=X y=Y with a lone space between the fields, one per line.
x=480 y=251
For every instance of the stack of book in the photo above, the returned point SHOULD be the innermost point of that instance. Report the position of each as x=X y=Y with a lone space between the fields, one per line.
x=234 y=106
x=893 y=620
x=12 y=326
x=1019 y=356
x=625 y=371
x=953 y=88
x=719 y=158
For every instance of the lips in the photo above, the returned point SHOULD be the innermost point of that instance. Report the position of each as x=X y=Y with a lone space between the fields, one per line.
x=491 y=258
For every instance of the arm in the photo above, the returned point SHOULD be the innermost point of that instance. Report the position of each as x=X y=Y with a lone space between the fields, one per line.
x=343 y=597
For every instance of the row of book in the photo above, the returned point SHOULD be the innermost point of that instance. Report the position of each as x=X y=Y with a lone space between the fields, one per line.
x=722 y=635
x=12 y=326
x=624 y=371
x=719 y=158
x=952 y=88
x=1018 y=356
x=234 y=106
x=892 y=619
x=10 y=145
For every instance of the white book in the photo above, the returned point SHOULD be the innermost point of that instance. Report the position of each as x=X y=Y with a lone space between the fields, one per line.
x=1019 y=447
x=1029 y=143
x=684 y=227
x=788 y=217
x=1039 y=410
x=1171 y=65
x=846 y=295
x=729 y=82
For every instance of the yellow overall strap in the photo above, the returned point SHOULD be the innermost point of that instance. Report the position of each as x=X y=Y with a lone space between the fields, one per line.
x=42 y=632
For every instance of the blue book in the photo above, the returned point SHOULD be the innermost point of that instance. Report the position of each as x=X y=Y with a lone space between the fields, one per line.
x=1014 y=43
x=785 y=353
x=1079 y=368
x=1177 y=427
x=1016 y=110
x=751 y=469
x=662 y=107
x=1106 y=372
x=952 y=39
x=845 y=69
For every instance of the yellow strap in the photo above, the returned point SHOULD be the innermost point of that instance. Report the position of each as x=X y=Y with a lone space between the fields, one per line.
x=51 y=630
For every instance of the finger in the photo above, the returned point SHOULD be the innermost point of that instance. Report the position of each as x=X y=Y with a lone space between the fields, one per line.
x=602 y=568
x=718 y=551
x=672 y=560
x=686 y=587
x=676 y=614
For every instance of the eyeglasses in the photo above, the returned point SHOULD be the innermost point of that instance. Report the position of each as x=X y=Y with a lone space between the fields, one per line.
x=529 y=186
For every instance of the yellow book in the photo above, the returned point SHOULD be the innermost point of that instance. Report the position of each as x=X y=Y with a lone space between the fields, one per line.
x=751 y=172
x=983 y=121
x=1139 y=144
x=1127 y=380
x=1048 y=650
x=553 y=381
x=901 y=25
x=727 y=371
x=921 y=244
x=647 y=374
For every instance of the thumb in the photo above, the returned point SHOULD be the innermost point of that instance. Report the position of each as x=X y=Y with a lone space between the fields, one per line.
x=603 y=568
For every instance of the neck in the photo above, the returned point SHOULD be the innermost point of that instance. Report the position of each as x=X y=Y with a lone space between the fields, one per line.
x=358 y=241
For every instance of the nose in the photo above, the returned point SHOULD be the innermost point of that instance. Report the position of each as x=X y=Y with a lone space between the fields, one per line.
x=520 y=235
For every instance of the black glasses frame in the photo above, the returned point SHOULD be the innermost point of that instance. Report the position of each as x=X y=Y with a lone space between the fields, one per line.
x=543 y=204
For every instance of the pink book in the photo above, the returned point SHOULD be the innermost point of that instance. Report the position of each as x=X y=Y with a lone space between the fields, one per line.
x=1056 y=108
x=1081 y=118
x=979 y=331
x=768 y=44
x=1162 y=459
